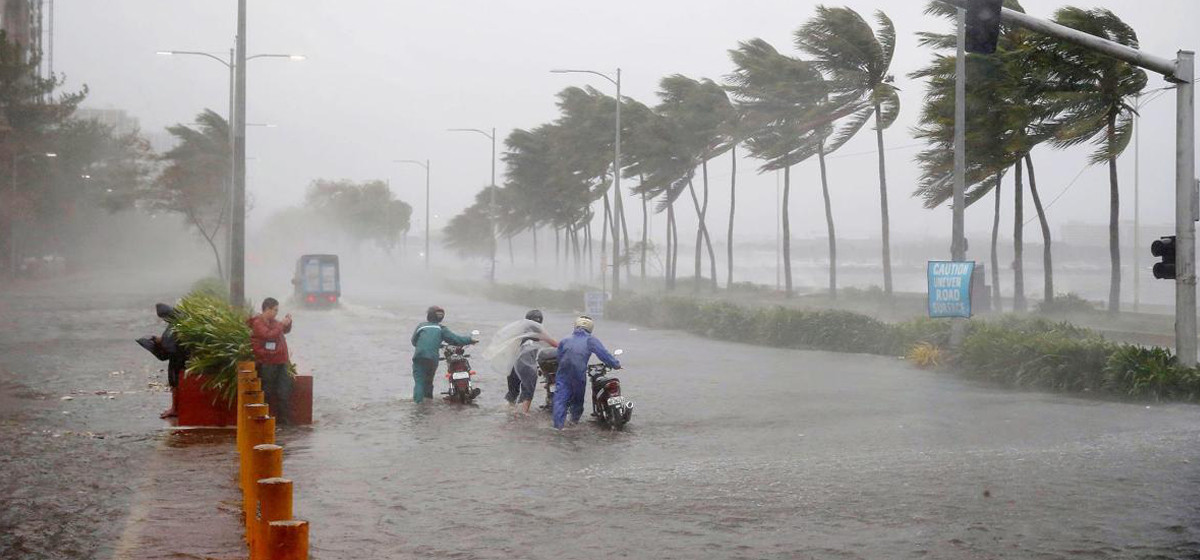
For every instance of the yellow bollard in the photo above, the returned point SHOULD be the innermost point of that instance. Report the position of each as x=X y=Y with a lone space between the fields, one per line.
x=274 y=504
x=253 y=410
x=259 y=430
x=251 y=398
x=287 y=540
x=266 y=461
x=244 y=385
x=247 y=366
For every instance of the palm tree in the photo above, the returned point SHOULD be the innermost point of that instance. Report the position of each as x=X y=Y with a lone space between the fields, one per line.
x=856 y=60
x=1090 y=94
x=698 y=111
x=1007 y=112
x=787 y=119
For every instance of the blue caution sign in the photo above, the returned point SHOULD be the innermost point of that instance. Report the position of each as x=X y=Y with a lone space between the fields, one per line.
x=950 y=288
x=593 y=304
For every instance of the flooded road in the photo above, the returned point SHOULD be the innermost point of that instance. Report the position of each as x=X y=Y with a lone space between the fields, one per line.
x=734 y=451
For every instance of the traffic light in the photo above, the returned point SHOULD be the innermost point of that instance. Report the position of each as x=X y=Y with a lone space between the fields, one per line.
x=1164 y=248
x=983 y=25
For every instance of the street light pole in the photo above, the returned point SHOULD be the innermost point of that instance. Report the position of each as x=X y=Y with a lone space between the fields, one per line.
x=426 y=166
x=618 y=205
x=237 y=229
x=493 y=215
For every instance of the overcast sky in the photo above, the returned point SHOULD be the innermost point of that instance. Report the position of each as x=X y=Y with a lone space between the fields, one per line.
x=384 y=79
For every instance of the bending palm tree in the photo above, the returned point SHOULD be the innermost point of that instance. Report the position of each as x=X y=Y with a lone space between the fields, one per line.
x=856 y=60
x=1090 y=93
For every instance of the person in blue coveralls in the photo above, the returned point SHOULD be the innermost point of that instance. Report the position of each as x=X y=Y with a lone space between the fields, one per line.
x=570 y=381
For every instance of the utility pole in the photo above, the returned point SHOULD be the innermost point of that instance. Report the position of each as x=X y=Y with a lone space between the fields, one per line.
x=237 y=256
x=1180 y=71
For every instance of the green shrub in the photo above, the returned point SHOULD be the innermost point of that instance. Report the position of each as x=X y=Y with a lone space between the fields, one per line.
x=1011 y=350
x=1066 y=303
x=1154 y=373
x=217 y=337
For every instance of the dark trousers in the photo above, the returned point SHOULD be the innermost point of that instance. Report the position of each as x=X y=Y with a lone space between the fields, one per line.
x=277 y=390
x=514 y=387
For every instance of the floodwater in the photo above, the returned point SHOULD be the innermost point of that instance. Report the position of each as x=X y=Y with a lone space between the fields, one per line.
x=734 y=451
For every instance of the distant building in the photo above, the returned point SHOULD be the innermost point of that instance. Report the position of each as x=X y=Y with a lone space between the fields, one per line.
x=119 y=119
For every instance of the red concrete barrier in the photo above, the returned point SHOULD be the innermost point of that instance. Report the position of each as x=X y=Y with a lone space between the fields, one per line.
x=201 y=407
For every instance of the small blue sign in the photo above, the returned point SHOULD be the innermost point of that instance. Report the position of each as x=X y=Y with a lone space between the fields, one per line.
x=950 y=288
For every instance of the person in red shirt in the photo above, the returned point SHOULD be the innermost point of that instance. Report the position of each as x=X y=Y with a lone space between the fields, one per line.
x=271 y=357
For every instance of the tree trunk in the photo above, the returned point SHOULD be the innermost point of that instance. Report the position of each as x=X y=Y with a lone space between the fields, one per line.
x=645 y=228
x=625 y=242
x=996 y=305
x=604 y=234
x=829 y=225
x=557 y=262
x=1047 y=260
x=511 y=259
x=535 y=247
x=712 y=257
x=732 y=205
x=587 y=242
x=671 y=247
x=699 y=236
x=1114 y=225
x=1018 y=265
x=883 y=205
x=787 y=233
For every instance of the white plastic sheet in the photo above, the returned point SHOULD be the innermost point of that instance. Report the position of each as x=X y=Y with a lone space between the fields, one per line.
x=501 y=353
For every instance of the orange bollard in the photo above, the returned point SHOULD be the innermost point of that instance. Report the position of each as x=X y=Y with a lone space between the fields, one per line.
x=287 y=540
x=251 y=398
x=244 y=385
x=247 y=366
x=252 y=410
x=266 y=461
x=274 y=504
x=259 y=430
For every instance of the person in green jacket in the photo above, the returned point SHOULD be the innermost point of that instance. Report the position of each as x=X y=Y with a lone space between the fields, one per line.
x=427 y=341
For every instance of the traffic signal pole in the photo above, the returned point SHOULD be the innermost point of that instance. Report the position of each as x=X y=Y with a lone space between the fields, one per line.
x=1181 y=72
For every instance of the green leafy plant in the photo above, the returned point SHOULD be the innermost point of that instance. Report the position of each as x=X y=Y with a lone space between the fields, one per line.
x=217 y=337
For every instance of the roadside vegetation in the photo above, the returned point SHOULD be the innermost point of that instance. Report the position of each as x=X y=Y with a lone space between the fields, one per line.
x=1019 y=351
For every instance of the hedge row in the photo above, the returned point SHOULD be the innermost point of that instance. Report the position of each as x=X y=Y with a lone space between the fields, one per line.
x=1015 y=351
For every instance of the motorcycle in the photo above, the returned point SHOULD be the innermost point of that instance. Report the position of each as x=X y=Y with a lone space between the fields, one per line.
x=458 y=373
x=608 y=404
x=547 y=367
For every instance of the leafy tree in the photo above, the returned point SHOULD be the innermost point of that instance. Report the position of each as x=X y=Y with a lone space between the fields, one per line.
x=1090 y=94
x=783 y=98
x=194 y=177
x=1007 y=114
x=470 y=233
x=30 y=115
x=856 y=60
x=367 y=211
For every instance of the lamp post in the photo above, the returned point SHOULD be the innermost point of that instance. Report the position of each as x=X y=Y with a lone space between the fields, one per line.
x=237 y=126
x=12 y=218
x=618 y=205
x=425 y=164
x=493 y=215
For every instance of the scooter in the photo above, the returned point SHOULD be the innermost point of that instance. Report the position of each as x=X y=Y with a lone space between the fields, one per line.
x=609 y=406
x=458 y=373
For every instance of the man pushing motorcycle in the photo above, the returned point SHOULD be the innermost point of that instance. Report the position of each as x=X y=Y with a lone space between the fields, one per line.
x=571 y=378
x=426 y=341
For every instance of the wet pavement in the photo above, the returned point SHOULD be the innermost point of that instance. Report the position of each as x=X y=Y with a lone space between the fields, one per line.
x=734 y=451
